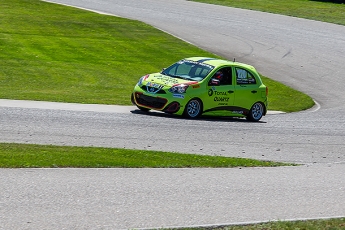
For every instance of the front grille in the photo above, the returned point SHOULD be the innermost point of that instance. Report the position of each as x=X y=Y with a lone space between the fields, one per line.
x=153 y=102
x=156 y=90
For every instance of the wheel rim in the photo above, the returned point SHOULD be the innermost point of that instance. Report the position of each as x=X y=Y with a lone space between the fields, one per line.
x=193 y=108
x=257 y=111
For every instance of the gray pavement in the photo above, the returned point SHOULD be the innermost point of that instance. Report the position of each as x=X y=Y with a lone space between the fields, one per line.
x=304 y=54
x=154 y=198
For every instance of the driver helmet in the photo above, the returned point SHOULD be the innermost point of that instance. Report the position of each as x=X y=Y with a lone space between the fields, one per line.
x=219 y=75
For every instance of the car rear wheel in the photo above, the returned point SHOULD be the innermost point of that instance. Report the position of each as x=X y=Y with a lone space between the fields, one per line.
x=256 y=112
x=193 y=108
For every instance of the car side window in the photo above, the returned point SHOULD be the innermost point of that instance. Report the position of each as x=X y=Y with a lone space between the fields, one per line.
x=224 y=76
x=244 y=77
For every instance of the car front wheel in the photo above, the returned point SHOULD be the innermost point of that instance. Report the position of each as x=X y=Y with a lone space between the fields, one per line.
x=193 y=108
x=256 y=112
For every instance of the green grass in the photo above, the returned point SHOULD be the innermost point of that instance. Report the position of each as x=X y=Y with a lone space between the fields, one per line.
x=326 y=224
x=283 y=98
x=316 y=10
x=58 y=53
x=50 y=52
x=47 y=156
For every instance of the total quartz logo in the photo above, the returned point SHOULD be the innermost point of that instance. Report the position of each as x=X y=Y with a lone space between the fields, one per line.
x=210 y=92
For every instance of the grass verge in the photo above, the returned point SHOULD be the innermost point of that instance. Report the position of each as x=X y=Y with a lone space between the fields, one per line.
x=47 y=156
x=310 y=9
x=325 y=224
x=50 y=52
x=283 y=98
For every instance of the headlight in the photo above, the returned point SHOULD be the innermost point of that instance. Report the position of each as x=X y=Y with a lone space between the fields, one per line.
x=180 y=88
x=140 y=82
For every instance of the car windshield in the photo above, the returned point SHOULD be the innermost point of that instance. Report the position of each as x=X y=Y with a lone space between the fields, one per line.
x=189 y=70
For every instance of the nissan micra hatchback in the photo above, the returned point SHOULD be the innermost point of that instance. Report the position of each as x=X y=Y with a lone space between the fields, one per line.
x=200 y=85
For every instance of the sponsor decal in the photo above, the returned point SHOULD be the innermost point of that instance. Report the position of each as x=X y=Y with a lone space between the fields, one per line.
x=196 y=63
x=233 y=109
x=166 y=80
x=210 y=92
x=196 y=86
x=220 y=93
x=153 y=87
x=223 y=99
x=220 y=96
x=178 y=96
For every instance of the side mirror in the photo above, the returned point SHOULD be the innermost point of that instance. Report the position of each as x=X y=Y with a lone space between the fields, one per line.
x=214 y=82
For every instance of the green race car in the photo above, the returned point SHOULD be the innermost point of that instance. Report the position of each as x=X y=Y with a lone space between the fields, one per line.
x=200 y=85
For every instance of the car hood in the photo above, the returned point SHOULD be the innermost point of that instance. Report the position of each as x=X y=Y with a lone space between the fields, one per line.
x=165 y=81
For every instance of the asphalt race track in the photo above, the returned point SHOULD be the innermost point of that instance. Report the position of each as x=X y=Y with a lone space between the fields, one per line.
x=304 y=54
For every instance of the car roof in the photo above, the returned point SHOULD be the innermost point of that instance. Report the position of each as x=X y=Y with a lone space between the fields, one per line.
x=216 y=62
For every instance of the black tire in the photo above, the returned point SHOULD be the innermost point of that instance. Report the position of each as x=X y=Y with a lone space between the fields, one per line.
x=193 y=108
x=256 y=112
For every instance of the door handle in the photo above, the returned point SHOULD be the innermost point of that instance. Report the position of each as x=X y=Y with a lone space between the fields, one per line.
x=254 y=91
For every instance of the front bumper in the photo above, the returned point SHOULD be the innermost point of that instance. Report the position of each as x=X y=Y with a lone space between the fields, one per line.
x=156 y=103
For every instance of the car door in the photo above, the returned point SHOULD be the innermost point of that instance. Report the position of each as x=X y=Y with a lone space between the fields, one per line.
x=246 y=88
x=220 y=90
